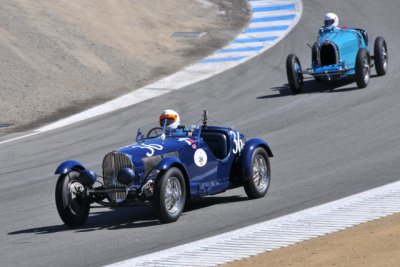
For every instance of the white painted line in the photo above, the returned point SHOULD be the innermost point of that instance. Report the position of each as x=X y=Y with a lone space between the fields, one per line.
x=206 y=68
x=279 y=232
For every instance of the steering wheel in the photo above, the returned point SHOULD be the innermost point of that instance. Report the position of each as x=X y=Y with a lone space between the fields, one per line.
x=154 y=132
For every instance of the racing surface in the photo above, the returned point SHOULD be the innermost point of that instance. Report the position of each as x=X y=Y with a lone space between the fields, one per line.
x=332 y=141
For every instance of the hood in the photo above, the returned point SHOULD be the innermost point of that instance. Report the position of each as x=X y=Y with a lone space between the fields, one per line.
x=156 y=148
x=338 y=36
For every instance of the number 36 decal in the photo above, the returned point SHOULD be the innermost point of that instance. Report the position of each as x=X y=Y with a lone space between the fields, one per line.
x=237 y=142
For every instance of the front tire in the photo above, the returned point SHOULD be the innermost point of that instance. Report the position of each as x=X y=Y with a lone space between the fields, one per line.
x=170 y=196
x=256 y=186
x=294 y=74
x=363 y=68
x=380 y=56
x=72 y=208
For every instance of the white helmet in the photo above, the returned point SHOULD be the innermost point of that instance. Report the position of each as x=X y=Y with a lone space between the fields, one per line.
x=331 y=20
x=172 y=118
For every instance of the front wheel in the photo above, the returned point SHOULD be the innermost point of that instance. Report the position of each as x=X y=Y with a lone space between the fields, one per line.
x=72 y=208
x=170 y=196
x=294 y=73
x=256 y=186
x=380 y=56
x=363 y=68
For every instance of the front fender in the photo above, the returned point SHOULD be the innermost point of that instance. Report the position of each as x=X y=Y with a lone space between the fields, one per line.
x=170 y=162
x=68 y=166
x=247 y=153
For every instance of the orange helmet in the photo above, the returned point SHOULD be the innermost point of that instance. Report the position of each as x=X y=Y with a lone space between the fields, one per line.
x=172 y=118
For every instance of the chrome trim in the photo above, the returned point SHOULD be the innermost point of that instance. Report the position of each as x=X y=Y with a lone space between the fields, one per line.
x=112 y=163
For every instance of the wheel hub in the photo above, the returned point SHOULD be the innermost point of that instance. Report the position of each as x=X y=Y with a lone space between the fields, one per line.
x=173 y=195
x=260 y=172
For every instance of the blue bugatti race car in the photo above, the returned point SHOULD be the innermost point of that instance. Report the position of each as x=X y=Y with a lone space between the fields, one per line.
x=339 y=53
x=165 y=169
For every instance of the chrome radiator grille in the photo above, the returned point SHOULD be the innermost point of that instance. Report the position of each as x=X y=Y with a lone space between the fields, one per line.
x=112 y=163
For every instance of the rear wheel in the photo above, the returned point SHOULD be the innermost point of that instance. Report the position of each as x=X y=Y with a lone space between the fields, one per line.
x=257 y=184
x=72 y=208
x=363 y=68
x=294 y=73
x=170 y=196
x=380 y=56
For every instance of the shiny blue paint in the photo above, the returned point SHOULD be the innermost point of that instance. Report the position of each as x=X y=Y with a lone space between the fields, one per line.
x=210 y=179
x=67 y=166
x=347 y=43
x=178 y=150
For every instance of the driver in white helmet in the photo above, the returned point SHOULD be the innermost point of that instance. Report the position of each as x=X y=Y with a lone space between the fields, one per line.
x=170 y=118
x=331 y=22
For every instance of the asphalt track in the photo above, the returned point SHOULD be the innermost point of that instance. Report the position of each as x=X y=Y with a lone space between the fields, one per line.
x=332 y=141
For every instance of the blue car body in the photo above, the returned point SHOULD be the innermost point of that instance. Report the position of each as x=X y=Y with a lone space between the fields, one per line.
x=334 y=54
x=212 y=159
x=339 y=53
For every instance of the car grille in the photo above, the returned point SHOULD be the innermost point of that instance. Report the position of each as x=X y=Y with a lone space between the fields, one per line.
x=112 y=163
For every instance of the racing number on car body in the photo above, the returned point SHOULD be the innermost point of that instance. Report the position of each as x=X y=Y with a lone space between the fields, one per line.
x=200 y=157
x=237 y=142
x=150 y=147
x=189 y=162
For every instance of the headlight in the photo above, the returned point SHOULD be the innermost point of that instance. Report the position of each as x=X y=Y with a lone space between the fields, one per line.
x=87 y=178
x=126 y=176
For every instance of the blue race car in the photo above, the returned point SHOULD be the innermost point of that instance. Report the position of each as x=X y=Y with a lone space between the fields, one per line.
x=166 y=169
x=339 y=53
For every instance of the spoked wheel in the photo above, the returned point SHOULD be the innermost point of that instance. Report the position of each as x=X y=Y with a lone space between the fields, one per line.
x=170 y=196
x=363 y=68
x=294 y=73
x=154 y=132
x=380 y=56
x=72 y=208
x=260 y=175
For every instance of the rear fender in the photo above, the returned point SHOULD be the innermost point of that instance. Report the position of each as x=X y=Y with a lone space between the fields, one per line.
x=246 y=155
x=68 y=166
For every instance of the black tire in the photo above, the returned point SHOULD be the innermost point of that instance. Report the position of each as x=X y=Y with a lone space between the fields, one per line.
x=380 y=56
x=256 y=186
x=154 y=132
x=73 y=211
x=363 y=68
x=294 y=73
x=176 y=196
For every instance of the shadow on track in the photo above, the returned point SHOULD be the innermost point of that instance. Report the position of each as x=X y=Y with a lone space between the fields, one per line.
x=124 y=218
x=311 y=86
x=211 y=201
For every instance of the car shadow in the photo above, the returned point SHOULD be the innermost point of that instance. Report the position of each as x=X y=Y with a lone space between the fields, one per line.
x=101 y=218
x=310 y=86
x=211 y=201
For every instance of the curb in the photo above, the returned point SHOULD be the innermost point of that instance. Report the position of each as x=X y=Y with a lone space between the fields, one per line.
x=280 y=232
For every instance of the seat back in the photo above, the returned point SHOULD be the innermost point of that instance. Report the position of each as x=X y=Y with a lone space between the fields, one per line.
x=217 y=142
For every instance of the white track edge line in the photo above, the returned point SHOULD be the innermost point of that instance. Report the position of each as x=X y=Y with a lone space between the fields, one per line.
x=226 y=243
